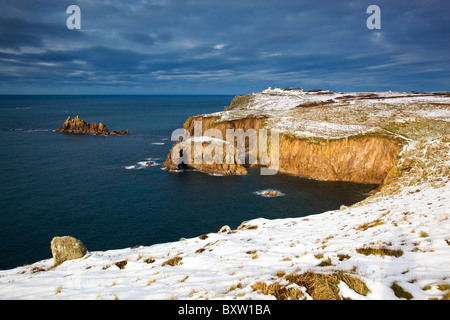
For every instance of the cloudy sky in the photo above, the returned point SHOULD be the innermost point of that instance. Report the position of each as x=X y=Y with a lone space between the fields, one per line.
x=223 y=46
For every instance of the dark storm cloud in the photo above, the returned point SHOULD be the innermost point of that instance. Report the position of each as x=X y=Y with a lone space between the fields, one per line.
x=222 y=46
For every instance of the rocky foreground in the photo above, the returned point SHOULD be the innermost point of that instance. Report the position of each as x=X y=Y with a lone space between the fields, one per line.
x=78 y=125
x=393 y=245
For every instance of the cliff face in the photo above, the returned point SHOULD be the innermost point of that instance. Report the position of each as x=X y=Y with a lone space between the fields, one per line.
x=213 y=122
x=358 y=159
x=78 y=125
x=356 y=137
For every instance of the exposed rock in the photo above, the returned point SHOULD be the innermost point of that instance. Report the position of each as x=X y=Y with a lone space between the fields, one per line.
x=360 y=159
x=212 y=167
x=355 y=137
x=67 y=248
x=78 y=125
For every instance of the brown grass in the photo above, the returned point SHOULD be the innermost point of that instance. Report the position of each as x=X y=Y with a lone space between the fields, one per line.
x=172 y=261
x=319 y=286
x=281 y=292
x=121 y=264
x=325 y=263
x=381 y=251
x=400 y=292
x=149 y=260
x=372 y=224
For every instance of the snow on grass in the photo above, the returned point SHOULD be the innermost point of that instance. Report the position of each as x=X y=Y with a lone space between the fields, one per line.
x=356 y=241
x=337 y=115
x=311 y=128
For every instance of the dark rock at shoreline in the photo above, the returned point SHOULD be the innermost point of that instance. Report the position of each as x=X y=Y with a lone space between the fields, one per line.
x=78 y=125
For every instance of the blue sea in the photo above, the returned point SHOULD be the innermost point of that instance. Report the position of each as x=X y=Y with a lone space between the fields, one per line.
x=99 y=190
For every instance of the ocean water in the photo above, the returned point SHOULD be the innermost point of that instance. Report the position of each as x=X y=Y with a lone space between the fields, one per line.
x=99 y=190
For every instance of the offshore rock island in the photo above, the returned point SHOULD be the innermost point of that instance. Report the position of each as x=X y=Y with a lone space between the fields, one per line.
x=395 y=244
x=78 y=125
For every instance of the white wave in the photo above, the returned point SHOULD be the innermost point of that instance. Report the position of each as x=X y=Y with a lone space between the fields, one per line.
x=37 y=130
x=176 y=171
x=216 y=175
x=269 y=193
x=142 y=164
x=158 y=143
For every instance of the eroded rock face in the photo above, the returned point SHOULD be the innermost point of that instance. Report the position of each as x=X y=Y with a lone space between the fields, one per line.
x=205 y=164
x=78 y=125
x=67 y=248
x=360 y=159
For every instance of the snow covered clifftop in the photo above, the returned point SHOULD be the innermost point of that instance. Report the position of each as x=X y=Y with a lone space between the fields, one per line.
x=336 y=115
x=393 y=245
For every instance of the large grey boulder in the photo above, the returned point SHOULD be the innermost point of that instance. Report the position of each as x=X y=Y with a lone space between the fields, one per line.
x=67 y=248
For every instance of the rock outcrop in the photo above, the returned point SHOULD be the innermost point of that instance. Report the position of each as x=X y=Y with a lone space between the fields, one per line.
x=67 y=248
x=360 y=159
x=177 y=158
x=356 y=159
x=350 y=136
x=354 y=137
x=78 y=125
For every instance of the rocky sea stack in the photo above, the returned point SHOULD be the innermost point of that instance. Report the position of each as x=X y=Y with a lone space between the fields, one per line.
x=78 y=125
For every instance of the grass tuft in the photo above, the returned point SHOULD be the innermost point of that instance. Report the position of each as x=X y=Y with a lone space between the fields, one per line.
x=372 y=224
x=400 y=292
x=121 y=264
x=380 y=251
x=172 y=261
x=319 y=286
x=325 y=263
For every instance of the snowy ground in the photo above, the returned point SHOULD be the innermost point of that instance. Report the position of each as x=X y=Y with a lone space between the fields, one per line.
x=398 y=238
x=227 y=265
x=334 y=115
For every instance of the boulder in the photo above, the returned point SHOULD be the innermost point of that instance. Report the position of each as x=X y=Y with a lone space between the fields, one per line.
x=67 y=248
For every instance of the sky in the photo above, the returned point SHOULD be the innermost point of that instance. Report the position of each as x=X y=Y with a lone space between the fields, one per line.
x=222 y=46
